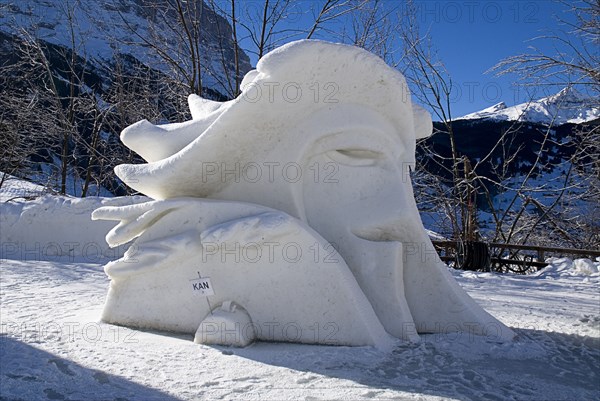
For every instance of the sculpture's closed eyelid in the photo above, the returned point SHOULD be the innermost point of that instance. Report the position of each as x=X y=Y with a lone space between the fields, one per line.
x=356 y=157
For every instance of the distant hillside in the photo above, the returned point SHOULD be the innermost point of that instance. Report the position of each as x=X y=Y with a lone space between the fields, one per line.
x=478 y=138
x=74 y=74
x=519 y=176
x=103 y=28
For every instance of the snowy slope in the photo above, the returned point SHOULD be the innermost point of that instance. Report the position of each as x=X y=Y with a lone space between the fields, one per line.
x=567 y=106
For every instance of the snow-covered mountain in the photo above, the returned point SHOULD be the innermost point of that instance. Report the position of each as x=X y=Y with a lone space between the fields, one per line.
x=97 y=29
x=567 y=106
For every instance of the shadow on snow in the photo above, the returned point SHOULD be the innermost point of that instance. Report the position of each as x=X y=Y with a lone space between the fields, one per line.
x=536 y=365
x=27 y=373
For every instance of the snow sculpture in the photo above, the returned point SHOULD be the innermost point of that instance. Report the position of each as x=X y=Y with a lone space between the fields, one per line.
x=286 y=214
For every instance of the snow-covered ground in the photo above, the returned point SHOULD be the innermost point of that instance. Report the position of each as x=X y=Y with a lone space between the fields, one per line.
x=53 y=346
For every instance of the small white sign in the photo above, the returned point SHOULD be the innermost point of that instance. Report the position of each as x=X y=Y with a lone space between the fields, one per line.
x=202 y=286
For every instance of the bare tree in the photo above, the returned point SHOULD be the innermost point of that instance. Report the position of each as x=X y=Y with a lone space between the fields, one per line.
x=432 y=86
x=576 y=62
x=17 y=145
x=263 y=25
x=53 y=110
x=178 y=45
x=460 y=191
x=331 y=12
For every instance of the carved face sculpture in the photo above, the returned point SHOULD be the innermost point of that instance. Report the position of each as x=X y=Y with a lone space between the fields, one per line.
x=368 y=212
x=326 y=134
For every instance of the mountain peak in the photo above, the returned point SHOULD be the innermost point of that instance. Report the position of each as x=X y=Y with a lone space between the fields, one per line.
x=566 y=106
x=566 y=95
x=496 y=107
x=488 y=112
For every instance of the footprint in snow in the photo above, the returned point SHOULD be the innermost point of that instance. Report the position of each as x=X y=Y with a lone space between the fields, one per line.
x=62 y=366
x=53 y=395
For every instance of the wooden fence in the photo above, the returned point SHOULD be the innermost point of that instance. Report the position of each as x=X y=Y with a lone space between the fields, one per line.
x=503 y=257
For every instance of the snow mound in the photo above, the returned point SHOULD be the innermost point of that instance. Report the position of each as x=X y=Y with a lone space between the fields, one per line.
x=234 y=252
x=38 y=226
x=14 y=188
x=565 y=267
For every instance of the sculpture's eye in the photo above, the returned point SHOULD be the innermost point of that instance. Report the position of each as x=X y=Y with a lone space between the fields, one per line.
x=355 y=157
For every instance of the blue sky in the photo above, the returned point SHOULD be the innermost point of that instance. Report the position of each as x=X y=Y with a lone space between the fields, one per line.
x=470 y=37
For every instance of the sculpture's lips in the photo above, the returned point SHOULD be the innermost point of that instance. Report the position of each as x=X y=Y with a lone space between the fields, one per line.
x=385 y=233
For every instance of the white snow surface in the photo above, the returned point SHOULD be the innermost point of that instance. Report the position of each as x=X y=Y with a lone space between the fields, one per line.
x=53 y=345
x=567 y=106
x=14 y=189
